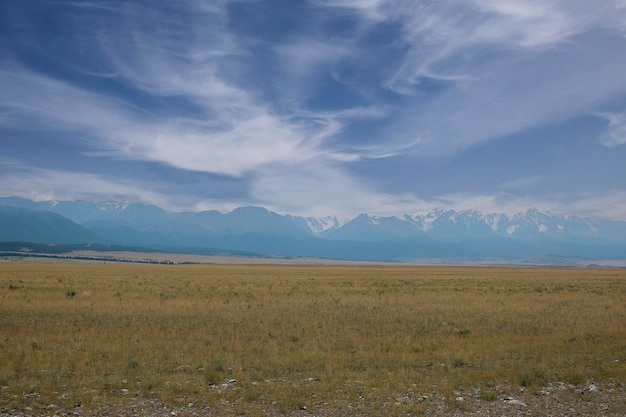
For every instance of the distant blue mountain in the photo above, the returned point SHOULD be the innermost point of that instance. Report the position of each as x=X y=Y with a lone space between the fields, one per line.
x=23 y=224
x=441 y=235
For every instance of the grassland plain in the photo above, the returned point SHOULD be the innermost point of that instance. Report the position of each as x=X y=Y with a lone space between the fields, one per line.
x=144 y=340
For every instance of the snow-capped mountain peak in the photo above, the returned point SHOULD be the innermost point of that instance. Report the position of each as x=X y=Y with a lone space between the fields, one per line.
x=438 y=233
x=318 y=225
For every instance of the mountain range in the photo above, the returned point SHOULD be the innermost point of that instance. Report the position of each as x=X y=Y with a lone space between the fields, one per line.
x=438 y=236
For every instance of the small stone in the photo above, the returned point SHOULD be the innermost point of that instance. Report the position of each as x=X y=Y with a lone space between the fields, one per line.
x=515 y=402
x=402 y=399
x=124 y=391
x=460 y=399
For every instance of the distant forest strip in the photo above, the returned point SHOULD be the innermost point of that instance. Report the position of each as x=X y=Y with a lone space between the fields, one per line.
x=70 y=256
x=56 y=248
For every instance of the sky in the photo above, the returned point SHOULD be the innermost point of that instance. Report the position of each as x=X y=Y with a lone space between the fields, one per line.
x=317 y=107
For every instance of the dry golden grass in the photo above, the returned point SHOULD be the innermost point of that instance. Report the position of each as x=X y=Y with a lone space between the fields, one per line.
x=300 y=335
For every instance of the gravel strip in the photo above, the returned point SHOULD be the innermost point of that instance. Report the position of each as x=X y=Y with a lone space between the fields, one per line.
x=554 y=400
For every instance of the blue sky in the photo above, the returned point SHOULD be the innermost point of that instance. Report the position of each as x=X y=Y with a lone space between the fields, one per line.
x=316 y=107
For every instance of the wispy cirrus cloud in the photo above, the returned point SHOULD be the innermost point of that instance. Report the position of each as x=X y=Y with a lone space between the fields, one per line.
x=615 y=133
x=232 y=132
x=46 y=184
x=236 y=130
x=317 y=189
x=539 y=71
x=436 y=34
x=229 y=146
x=290 y=103
x=497 y=67
x=607 y=206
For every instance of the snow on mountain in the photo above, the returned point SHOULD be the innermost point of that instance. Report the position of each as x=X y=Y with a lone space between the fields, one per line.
x=425 y=223
x=318 y=225
x=532 y=224
x=493 y=220
x=439 y=232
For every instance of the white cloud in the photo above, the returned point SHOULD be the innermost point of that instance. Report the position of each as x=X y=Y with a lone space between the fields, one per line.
x=285 y=157
x=35 y=102
x=371 y=9
x=443 y=37
x=615 y=132
x=173 y=56
x=516 y=94
x=238 y=132
x=610 y=206
x=489 y=203
x=317 y=189
x=245 y=145
x=534 y=23
x=320 y=189
x=503 y=66
x=303 y=56
x=44 y=184
x=231 y=145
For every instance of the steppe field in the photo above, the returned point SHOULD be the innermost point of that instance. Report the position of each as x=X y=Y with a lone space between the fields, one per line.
x=303 y=340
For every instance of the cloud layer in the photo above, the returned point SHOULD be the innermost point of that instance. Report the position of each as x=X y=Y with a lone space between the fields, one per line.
x=318 y=107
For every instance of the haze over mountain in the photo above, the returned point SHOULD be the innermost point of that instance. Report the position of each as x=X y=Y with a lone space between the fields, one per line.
x=20 y=224
x=440 y=235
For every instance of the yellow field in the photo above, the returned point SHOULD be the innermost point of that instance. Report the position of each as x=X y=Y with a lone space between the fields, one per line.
x=289 y=337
